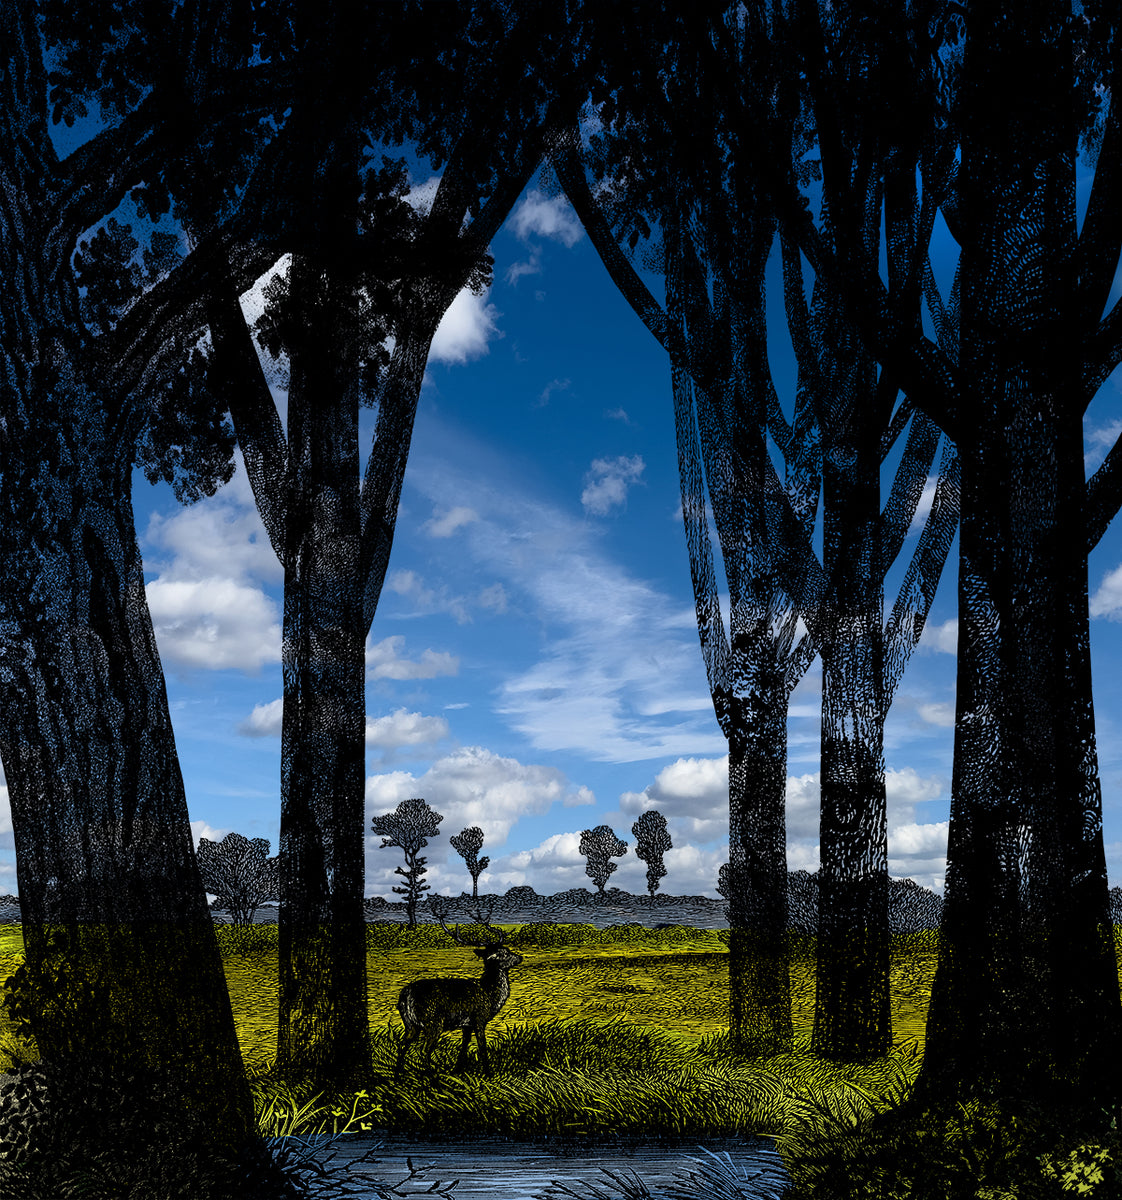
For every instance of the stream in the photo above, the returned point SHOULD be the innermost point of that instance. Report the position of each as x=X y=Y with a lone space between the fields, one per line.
x=505 y=1170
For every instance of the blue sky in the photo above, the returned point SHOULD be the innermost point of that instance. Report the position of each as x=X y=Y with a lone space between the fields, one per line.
x=534 y=665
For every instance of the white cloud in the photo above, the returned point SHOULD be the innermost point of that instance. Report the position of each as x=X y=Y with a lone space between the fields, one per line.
x=403 y=728
x=529 y=266
x=207 y=608
x=384 y=661
x=447 y=523
x=7 y=836
x=618 y=414
x=423 y=194
x=465 y=330
x=1107 y=600
x=200 y=829
x=926 y=499
x=606 y=483
x=548 y=217
x=471 y=786
x=214 y=624
x=615 y=649
x=918 y=841
x=940 y=638
x=264 y=721
x=1098 y=441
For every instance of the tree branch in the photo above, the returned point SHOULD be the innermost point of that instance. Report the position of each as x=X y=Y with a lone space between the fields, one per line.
x=236 y=369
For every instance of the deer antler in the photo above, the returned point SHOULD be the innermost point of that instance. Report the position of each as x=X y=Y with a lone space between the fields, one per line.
x=440 y=907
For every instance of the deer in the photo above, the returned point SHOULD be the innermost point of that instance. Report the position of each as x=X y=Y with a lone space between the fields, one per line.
x=430 y=1007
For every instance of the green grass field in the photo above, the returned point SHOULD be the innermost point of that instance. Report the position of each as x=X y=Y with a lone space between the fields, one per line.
x=610 y=1034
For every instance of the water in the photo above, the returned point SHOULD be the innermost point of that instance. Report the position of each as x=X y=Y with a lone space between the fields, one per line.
x=500 y=1170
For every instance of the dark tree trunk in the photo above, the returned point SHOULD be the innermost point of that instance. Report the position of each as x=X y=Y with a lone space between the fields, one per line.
x=759 y=972
x=109 y=887
x=322 y=1015
x=1026 y=998
x=852 y=1020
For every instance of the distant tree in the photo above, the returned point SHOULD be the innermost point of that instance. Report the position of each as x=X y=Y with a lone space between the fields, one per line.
x=652 y=840
x=240 y=873
x=467 y=845
x=600 y=846
x=409 y=827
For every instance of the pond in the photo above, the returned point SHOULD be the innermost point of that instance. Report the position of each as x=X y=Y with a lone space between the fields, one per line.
x=503 y=1170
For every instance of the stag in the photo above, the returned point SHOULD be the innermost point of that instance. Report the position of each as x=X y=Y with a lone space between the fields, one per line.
x=430 y=1007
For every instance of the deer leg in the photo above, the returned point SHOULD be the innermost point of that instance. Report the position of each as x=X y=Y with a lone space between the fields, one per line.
x=431 y=1038
x=462 y=1061
x=481 y=1045
x=410 y=1037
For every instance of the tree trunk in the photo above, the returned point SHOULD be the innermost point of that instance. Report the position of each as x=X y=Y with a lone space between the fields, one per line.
x=109 y=887
x=852 y=1020
x=1026 y=998
x=322 y=1015
x=759 y=971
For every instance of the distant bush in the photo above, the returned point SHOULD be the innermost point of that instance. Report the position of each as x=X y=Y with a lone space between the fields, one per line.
x=546 y=935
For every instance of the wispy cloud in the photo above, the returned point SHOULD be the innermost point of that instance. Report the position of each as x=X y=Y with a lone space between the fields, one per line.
x=619 y=675
x=1107 y=600
x=1097 y=442
x=554 y=385
x=447 y=523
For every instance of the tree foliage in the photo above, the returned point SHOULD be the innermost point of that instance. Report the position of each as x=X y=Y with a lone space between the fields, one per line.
x=409 y=828
x=467 y=844
x=600 y=846
x=240 y=874
x=652 y=840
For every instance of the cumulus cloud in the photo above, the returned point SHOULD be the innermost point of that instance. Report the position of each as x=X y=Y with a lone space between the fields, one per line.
x=200 y=829
x=1107 y=600
x=465 y=330
x=447 y=523
x=214 y=624
x=264 y=721
x=606 y=483
x=384 y=661
x=402 y=728
x=941 y=639
x=207 y=605
x=548 y=217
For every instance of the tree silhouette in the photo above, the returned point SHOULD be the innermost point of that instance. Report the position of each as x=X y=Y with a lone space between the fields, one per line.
x=1025 y=1000
x=366 y=267
x=652 y=840
x=409 y=827
x=600 y=846
x=91 y=375
x=467 y=845
x=240 y=873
